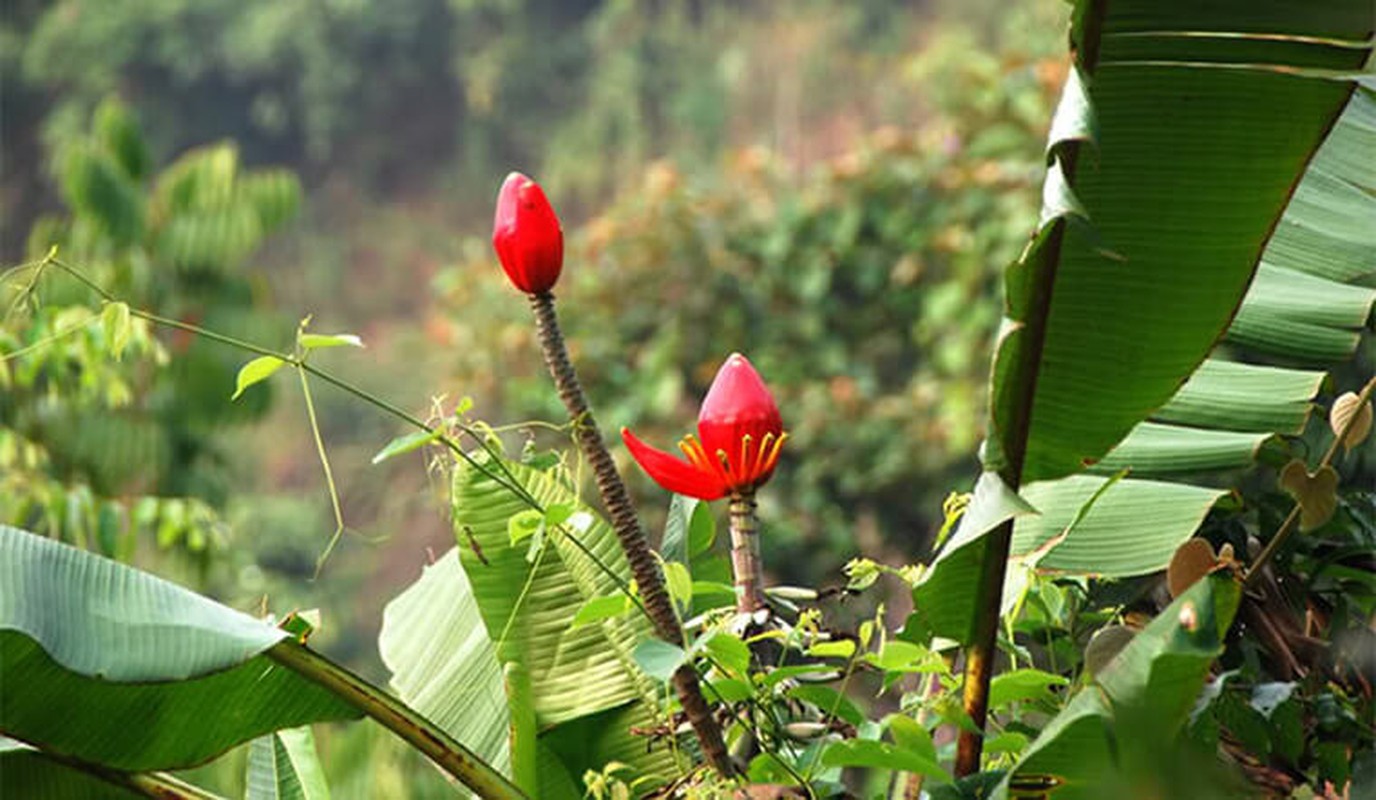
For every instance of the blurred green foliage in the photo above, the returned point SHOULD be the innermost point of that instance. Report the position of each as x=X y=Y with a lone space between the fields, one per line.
x=864 y=293
x=106 y=428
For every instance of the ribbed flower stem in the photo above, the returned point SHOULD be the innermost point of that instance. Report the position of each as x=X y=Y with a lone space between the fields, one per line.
x=626 y=523
x=745 y=552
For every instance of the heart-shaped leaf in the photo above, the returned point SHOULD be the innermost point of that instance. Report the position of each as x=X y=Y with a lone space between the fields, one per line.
x=1316 y=493
x=1192 y=560
x=1345 y=408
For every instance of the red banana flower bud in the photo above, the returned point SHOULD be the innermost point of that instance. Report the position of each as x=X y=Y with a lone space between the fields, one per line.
x=527 y=236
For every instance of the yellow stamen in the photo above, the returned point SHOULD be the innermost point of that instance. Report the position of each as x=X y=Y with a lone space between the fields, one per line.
x=774 y=452
x=697 y=456
x=758 y=467
x=725 y=465
x=744 y=464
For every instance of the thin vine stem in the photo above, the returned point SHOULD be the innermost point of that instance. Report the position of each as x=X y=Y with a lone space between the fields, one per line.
x=509 y=482
x=325 y=466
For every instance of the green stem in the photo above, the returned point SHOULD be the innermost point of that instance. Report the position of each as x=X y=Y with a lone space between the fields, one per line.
x=1291 y=523
x=158 y=785
x=506 y=480
x=509 y=483
x=626 y=525
x=325 y=466
x=980 y=653
x=398 y=718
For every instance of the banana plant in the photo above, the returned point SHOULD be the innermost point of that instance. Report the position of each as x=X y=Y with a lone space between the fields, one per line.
x=1169 y=171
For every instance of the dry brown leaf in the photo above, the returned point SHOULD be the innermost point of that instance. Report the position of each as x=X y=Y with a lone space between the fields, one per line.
x=1192 y=560
x=1317 y=494
x=1343 y=409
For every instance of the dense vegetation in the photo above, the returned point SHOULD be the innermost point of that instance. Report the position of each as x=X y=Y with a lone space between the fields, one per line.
x=1166 y=560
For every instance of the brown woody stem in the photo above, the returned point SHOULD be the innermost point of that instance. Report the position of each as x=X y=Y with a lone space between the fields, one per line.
x=745 y=552
x=626 y=523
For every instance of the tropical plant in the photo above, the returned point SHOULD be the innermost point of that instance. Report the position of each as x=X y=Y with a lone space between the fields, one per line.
x=1087 y=351
x=551 y=651
x=108 y=429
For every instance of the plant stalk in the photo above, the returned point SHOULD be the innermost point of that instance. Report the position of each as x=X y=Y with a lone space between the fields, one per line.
x=626 y=523
x=745 y=552
x=157 y=785
x=397 y=717
x=982 y=650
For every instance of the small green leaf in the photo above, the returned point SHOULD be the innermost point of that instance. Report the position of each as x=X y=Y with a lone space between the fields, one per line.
x=523 y=525
x=117 y=326
x=909 y=735
x=406 y=444
x=1006 y=742
x=702 y=530
x=1022 y=684
x=557 y=514
x=829 y=701
x=319 y=341
x=864 y=753
x=728 y=651
x=255 y=371
x=658 y=658
x=781 y=674
x=679 y=583
x=711 y=594
x=674 y=545
x=600 y=608
x=897 y=655
x=726 y=690
x=841 y=648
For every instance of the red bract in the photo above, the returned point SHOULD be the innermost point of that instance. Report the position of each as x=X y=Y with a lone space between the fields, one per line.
x=527 y=236
x=739 y=437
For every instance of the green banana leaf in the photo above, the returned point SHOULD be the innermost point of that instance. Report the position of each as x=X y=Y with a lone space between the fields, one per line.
x=528 y=600
x=122 y=669
x=1181 y=221
x=284 y=766
x=1294 y=311
x=444 y=664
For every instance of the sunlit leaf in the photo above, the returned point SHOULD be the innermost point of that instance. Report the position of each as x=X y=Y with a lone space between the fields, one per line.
x=255 y=371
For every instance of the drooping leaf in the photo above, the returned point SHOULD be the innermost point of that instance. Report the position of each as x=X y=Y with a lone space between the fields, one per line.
x=867 y=753
x=101 y=648
x=443 y=663
x=1132 y=529
x=407 y=443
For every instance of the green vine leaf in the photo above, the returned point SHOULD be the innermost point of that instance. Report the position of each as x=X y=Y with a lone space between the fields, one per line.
x=255 y=371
